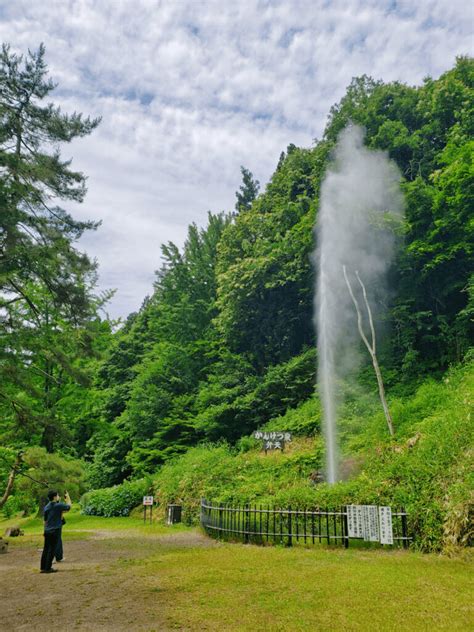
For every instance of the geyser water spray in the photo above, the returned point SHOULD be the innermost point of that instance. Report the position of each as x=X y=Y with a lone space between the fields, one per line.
x=360 y=199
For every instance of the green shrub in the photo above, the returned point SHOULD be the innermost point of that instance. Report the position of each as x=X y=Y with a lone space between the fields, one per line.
x=115 y=501
x=305 y=420
x=54 y=471
x=11 y=507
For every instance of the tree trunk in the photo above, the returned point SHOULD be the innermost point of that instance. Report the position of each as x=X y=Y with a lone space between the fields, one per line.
x=11 y=479
x=371 y=347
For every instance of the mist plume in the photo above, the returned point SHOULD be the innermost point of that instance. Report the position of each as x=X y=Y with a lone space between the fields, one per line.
x=360 y=197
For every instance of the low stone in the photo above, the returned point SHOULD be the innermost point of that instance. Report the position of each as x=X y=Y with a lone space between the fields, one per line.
x=14 y=532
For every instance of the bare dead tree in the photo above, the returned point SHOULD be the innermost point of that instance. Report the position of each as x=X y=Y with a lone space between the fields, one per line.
x=371 y=346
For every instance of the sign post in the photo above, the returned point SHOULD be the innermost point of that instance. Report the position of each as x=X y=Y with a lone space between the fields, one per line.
x=147 y=502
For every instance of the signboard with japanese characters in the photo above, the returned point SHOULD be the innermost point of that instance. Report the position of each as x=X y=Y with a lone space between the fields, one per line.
x=354 y=521
x=370 y=523
x=386 y=528
x=147 y=501
x=272 y=440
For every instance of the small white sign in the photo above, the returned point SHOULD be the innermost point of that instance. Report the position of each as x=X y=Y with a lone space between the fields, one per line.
x=386 y=528
x=370 y=523
x=148 y=500
x=354 y=521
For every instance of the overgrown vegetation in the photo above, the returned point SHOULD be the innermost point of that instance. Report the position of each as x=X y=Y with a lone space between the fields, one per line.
x=428 y=470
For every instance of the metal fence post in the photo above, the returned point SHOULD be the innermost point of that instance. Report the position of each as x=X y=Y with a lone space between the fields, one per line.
x=246 y=523
x=290 y=543
x=345 y=527
x=327 y=526
x=404 y=528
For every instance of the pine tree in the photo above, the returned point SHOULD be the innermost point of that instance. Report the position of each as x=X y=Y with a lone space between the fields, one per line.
x=247 y=192
x=45 y=282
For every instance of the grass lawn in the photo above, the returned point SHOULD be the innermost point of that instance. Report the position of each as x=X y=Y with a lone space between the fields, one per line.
x=179 y=579
x=244 y=587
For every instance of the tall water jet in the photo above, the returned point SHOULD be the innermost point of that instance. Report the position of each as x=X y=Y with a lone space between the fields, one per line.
x=360 y=200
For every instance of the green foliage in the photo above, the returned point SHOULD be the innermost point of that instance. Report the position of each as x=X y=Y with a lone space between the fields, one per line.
x=157 y=361
x=247 y=192
x=48 y=312
x=264 y=273
x=109 y=466
x=115 y=501
x=53 y=471
x=228 y=408
x=427 y=470
x=305 y=420
x=224 y=344
x=222 y=473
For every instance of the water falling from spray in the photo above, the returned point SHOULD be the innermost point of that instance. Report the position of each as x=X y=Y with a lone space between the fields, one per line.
x=360 y=197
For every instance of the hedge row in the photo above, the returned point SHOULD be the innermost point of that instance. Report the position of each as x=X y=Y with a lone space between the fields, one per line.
x=115 y=501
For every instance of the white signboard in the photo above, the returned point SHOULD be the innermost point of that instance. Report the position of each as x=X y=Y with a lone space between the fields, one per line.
x=148 y=500
x=370 y=523
x=354 y=521
x=386 y=528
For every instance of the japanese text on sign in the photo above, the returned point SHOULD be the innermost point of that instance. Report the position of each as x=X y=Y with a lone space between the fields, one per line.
x=272 y=440
x=148 y=500
x=370 y=523
x=386 y=528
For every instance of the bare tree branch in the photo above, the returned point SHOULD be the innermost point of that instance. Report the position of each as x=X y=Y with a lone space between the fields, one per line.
x=371 y=347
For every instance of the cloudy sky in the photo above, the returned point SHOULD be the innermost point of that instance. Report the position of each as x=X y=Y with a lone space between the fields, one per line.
x=189 y=90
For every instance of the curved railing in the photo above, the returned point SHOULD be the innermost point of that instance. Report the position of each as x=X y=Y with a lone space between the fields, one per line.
x=260 y=524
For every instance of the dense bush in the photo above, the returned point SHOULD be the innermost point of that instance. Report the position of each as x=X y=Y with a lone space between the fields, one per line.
x=53 y=471
x=115 y=501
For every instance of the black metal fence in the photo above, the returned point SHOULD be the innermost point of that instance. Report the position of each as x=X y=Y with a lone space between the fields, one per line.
x=258 y=524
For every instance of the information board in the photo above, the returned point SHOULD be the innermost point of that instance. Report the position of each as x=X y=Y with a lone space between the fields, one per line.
x=370 y=523
x=386 y=527
x=148 y=501
x=354 y=521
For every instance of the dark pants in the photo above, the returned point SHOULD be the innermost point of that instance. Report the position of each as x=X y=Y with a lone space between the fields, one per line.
x=58 y=552
x=49 y=549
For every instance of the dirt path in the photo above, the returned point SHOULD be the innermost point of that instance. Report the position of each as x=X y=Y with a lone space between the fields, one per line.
x=93 y=588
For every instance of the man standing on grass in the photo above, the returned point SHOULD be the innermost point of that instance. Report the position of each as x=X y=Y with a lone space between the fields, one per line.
x=52 y=528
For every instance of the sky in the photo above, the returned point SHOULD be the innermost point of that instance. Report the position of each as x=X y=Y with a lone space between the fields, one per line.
x=190 y=90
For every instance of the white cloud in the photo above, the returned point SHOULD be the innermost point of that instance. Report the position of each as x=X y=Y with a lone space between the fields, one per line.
x=191 y=89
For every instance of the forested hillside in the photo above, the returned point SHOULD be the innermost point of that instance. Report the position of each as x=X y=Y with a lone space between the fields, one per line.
x=226 y=342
